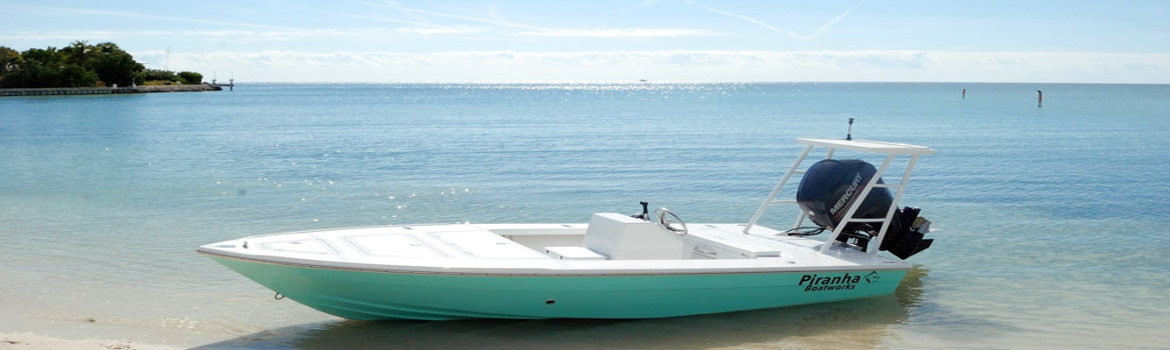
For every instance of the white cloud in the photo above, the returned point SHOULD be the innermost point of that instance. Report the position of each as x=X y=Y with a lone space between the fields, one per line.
x=440 y=30
x=216 y=34
x=423 y=18
x=751 y=20
x=617 y=33
x=65 y=36
x=678 y=65
x=421 y=15
x=133 y=15
x=790 y=33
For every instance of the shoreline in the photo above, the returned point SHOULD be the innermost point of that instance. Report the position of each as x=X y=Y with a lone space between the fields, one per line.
x=64 y=91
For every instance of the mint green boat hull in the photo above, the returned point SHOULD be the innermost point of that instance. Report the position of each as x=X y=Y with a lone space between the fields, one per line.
x=374 y=295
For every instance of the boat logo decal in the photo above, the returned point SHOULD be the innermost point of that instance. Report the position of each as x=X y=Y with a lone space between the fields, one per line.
x=844 y=281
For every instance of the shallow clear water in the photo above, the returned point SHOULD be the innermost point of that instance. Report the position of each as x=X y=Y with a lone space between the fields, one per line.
x=1048 y=219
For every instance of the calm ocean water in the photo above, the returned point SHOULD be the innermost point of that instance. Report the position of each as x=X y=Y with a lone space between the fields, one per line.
x=1050 y=221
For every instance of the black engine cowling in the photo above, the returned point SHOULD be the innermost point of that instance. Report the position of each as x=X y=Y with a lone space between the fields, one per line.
x=829 y=187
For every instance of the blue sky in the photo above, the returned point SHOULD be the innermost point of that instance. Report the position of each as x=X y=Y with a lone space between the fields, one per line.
x=658 y=40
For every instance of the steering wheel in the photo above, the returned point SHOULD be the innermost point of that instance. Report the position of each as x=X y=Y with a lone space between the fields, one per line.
x=667 y=220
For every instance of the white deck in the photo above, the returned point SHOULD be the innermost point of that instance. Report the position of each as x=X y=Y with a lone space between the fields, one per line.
x=543 y=249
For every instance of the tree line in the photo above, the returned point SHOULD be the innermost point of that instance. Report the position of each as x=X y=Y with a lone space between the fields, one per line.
x=81 y=65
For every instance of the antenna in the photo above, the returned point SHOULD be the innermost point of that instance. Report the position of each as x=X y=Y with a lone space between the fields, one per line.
x=849 y=135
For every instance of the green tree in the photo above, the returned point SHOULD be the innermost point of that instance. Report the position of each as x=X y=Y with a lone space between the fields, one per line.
x=10 y=60
x=159 y=75
x=46 y=56
x=78 y=52
x=190 y=77
x=39 y=68
x=114 y=66
x=73 y=75
x=27 y=76
x=77 y=65
x=58 y=68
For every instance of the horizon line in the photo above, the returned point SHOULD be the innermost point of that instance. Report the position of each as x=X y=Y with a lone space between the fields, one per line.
x=666 y=82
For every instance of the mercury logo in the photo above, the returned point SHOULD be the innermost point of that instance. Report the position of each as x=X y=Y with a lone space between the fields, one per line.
x=847 y=196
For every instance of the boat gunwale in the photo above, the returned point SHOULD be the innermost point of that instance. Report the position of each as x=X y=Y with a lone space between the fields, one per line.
x=889 y=265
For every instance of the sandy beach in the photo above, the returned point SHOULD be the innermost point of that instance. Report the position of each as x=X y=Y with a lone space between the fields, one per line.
x=37 y=342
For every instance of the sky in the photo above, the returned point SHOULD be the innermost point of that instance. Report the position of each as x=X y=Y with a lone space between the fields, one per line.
x=1034 y=41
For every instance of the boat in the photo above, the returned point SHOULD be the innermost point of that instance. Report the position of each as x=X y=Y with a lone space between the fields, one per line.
x=615 y=266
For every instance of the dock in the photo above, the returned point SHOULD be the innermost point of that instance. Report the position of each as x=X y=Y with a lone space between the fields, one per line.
x=231 y=85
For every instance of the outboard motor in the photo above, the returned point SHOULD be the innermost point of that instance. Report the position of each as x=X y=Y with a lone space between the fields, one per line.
x=831 y=186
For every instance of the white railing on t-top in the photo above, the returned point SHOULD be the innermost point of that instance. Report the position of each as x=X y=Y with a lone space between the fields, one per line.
x=891 y=150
